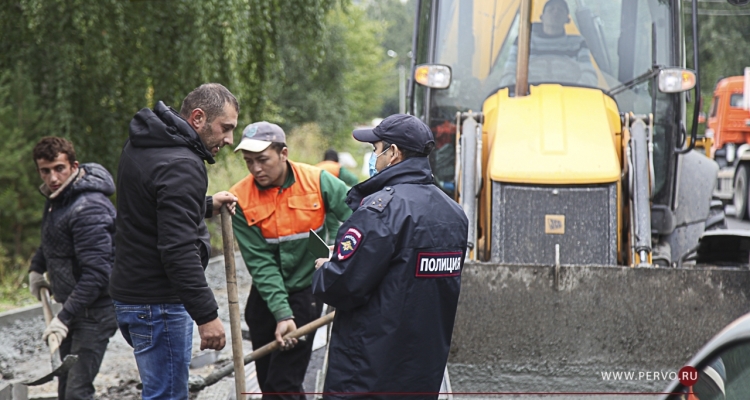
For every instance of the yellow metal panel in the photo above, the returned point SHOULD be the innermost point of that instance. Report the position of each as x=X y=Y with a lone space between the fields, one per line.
x=613 y=115
x=556 y=135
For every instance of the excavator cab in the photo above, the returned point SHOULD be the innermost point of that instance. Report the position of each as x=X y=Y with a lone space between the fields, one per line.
x=590 y=214
x=564 y=147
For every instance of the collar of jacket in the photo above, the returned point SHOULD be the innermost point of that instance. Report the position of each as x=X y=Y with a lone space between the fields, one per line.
x=46 y=192
x=415 y=170
x=164 y=127
x=91 y=177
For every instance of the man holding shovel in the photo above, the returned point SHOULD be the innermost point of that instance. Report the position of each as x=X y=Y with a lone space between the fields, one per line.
x=278 y=204
x=158 y=282
x=76 y=252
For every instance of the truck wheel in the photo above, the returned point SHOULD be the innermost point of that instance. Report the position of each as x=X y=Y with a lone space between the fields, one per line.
x=740 y=193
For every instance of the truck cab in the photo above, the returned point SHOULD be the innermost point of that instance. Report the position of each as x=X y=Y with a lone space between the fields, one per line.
x=728 y=124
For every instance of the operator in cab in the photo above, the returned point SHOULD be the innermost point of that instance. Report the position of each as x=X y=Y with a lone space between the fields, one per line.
x=554 y=56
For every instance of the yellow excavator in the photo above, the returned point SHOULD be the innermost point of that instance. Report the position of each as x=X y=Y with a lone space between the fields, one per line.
x=594 y=239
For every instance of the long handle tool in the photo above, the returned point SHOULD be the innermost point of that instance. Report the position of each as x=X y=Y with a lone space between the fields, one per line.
x=233 y=297
x=200 y=383
x=58 y=367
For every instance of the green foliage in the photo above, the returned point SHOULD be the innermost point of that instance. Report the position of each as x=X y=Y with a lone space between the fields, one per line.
x=95 y=63
x=345 y=87
x=724 y=42
x=396 y=21
x=14 y=290
x=81 y=69
x=21 y=204
x=229 y=169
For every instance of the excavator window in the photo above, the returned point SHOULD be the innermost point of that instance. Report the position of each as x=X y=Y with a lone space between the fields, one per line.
x=476 y=39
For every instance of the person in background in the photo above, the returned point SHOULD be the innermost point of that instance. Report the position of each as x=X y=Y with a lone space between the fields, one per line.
x=76 y=252
x=331 y=164
x=554 y=56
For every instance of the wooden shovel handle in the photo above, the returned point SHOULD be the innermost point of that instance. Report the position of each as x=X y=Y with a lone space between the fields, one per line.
x=227 y=235
x=262 y=351
x=52 y=341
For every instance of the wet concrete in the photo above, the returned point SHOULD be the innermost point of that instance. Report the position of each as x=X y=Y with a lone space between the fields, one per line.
x=516 y=332
x=24 y=355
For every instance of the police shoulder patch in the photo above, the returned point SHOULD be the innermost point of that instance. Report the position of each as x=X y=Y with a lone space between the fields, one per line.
x=349 y=243
x=439 y=265
x=379 y=201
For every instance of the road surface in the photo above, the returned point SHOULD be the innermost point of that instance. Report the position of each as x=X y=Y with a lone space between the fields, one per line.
x=734 y=223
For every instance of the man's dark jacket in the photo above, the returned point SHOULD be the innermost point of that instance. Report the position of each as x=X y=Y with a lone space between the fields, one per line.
x=394 y=279
x=77 y=249
x=162 y=241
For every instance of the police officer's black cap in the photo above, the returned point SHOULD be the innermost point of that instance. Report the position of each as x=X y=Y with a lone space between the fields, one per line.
x=405 y=131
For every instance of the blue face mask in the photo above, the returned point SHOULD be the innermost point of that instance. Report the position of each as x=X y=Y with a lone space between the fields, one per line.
x=373 y=171
x=373 y=160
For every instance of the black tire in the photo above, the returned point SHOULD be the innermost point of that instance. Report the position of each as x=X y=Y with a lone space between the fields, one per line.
x=740 y=193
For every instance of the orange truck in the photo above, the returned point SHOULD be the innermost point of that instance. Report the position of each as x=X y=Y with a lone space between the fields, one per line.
x=728 y=125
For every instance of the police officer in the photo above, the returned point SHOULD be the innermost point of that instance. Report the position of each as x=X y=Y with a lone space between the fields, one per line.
x=395 y=274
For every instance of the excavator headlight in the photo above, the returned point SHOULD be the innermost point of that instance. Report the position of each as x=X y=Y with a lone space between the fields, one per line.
x=435 y=76
x=675 y=80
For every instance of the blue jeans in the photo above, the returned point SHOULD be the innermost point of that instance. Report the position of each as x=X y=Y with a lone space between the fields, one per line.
x=162 y=338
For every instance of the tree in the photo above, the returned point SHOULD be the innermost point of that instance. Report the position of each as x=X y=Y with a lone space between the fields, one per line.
x=396 y=19
x=345 y=88
x=81 y=69
x=20 y=202
x=724 y=42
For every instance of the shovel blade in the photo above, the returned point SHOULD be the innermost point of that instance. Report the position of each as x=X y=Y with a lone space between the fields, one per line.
x=63 y=368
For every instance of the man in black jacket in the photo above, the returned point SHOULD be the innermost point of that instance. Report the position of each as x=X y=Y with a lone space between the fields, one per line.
x=158 y=282
x=76 y=252
x=395 y=274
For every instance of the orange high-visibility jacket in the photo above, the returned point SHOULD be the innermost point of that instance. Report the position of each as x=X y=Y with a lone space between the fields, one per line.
x=284 y=214
x=272 y=224
x=332 y=167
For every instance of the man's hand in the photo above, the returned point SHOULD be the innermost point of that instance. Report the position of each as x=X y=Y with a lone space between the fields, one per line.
x=319 y=262
x=212 y=335
x=282 y=328
x=36 y=282
x=57 y=328
x=224 y=198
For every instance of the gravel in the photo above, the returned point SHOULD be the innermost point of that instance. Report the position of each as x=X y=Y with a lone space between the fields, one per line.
x=23 y=354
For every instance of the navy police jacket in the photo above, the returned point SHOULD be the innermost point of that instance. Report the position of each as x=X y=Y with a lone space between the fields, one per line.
x=394 y=279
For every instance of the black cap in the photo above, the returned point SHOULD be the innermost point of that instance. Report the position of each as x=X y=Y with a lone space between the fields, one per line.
x=405 y=131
